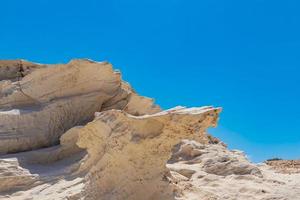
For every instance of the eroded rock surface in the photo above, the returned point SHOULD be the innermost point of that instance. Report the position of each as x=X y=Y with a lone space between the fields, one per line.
x=38 y=108
x=16 y=69
x=77 y=131
x=211 y=171
x=285 y=166
x=139 y=146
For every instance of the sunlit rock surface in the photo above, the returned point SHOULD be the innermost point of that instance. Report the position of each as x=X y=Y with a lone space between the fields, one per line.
x=77 y=131
x=38 y=108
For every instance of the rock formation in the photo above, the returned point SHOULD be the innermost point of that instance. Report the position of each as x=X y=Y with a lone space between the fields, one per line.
x=285 y=166
x=77 y=131
x=39 y=107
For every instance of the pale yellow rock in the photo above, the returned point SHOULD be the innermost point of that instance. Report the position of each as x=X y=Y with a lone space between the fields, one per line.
x=127 y=154
x=76 y=131
x=36 y=110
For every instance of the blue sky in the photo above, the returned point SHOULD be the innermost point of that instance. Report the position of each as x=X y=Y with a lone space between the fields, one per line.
x=241 y=55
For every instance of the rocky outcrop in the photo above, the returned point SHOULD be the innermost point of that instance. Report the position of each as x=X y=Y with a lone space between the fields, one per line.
x=16 y=69
x=118 y=142
x=117 y=155
x=211 y=171
x=77 y=131
x=284 y=166
x=38 y=108
x=212 y=159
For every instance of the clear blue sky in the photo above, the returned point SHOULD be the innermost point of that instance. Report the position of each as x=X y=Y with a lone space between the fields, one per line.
x=241 y=55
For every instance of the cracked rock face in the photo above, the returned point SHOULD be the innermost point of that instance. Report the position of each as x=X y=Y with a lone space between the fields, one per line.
x=77 y=131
